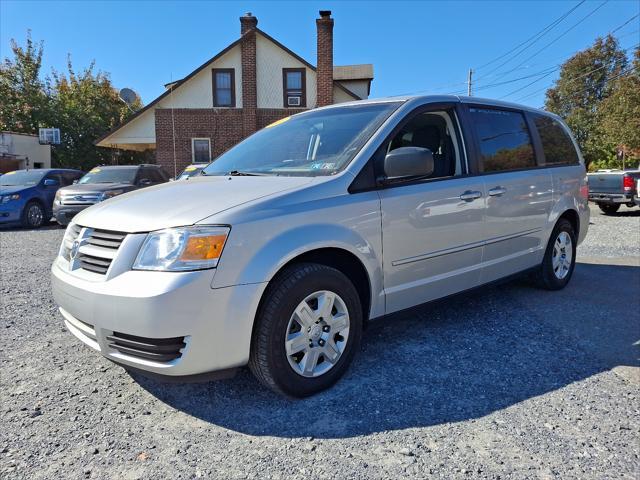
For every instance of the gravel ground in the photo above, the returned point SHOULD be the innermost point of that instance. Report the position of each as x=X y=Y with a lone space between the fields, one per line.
x=509 y=382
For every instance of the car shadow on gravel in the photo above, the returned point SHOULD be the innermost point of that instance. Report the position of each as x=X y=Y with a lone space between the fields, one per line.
x=451 y=361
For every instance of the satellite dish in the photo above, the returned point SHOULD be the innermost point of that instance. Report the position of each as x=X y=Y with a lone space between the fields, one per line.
x=128 y=96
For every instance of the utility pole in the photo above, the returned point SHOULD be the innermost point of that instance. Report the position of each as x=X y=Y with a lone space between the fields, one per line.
x=469 y=82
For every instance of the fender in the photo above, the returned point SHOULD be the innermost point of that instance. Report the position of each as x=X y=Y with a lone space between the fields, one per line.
x=266 y=261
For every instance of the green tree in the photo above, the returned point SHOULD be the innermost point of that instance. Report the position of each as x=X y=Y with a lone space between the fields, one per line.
x=586 y=79
x=83 y=106
x=24 y=96
x=620 y=114
x=86 y=105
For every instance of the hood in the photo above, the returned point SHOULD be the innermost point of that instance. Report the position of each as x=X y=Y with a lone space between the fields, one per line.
x=94 y=187
x=8 y=190
x=175 y=204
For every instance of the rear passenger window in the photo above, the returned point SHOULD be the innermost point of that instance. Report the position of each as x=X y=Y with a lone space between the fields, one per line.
x=556 y=143
x=504 y=140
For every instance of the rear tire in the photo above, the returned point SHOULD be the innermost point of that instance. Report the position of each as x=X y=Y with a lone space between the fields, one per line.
x=307 y=330
x=559 y=258
x=33 y=215
x=608 y=208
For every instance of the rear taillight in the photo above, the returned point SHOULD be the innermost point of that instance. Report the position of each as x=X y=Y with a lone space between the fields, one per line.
x=584 y=188
x=627 y=183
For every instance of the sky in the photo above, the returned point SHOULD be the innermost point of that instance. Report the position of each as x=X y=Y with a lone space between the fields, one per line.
x=415 y=46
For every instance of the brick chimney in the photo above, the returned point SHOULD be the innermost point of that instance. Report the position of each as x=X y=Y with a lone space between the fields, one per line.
x=324 y=65
x=248 y=25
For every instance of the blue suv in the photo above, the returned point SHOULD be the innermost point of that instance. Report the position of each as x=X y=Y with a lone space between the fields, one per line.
x=26 y=196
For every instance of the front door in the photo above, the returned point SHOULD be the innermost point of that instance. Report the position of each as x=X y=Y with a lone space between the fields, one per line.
x=432 y=230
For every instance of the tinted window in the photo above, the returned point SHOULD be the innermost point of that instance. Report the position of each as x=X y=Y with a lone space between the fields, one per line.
x=201 y=148
x=505 y=143
x=556 y=143
x=153 y=174
x=110 y=175
x=69 y=177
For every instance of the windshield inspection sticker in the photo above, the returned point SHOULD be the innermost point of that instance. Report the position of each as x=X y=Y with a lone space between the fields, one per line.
x=278 y=122
x=323 y=166
x=189 y=169
x=95 y=170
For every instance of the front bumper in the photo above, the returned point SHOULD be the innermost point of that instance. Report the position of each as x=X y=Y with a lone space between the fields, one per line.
x=610 y=198
x=65 y=213
x=11 y=213
x=215 y=325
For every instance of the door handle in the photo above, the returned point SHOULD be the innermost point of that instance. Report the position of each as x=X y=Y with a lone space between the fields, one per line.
x=470 y=196
x=497 y=191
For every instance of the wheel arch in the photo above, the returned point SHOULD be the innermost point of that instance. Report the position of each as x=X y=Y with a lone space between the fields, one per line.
x=572 y=216
x=342 y=260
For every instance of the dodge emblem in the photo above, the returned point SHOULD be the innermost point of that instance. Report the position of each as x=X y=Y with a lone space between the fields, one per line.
x=74 y=250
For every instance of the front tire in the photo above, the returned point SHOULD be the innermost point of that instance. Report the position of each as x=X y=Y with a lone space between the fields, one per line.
x=559 y=258
x=33 y=215
x=307 y=330
x=609 y=208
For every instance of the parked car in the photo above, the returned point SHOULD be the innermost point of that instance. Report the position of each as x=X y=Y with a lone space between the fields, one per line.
x=611 y=188
x=26 y=196
x=102 y=183
x=297 y=236
x=192 y=171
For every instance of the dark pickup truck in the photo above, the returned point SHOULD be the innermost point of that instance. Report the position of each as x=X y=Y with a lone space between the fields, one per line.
x=611 y=188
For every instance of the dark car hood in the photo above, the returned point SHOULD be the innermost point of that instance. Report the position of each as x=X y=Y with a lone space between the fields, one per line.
x=96 y=187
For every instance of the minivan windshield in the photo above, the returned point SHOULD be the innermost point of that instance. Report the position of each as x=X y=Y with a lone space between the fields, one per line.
x=315 y=143
x=21 y=177
x=110 y=175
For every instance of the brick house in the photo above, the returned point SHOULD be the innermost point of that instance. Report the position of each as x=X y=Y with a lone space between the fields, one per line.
x=253 y=82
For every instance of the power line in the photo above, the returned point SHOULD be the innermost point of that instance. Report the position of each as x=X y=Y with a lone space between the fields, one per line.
x=528 y=84
x=531 y=94
x=625 y=23
x=540 y=34
x=621 y=74
x=558 y=37
x=560 y=65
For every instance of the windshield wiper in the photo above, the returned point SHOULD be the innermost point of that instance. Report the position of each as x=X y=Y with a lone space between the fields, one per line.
x=238 y=173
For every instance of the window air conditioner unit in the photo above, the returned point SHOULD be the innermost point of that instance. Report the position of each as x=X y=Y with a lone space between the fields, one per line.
x=293 y=101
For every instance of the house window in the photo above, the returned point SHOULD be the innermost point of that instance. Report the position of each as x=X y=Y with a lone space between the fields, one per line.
x=200 y=150
x=224 y=87
x=294 y=87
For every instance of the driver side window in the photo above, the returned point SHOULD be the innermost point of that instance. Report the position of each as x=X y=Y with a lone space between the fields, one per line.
x=436 y=131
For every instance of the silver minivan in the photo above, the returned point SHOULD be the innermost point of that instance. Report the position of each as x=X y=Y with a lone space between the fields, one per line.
x=292 y=240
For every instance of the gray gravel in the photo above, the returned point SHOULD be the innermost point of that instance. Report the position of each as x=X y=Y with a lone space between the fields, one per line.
x=613 y=235
x=509 y=382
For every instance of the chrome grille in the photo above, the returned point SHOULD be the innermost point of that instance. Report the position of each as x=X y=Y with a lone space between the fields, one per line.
x=96 y=248
x=94 y=264
x=80 y=198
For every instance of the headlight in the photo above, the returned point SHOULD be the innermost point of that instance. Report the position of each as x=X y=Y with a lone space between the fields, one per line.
x=110 y=193
x=181 y=249
x=8 y=198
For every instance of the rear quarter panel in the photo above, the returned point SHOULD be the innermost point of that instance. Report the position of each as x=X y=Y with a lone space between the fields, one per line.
x=567 y=184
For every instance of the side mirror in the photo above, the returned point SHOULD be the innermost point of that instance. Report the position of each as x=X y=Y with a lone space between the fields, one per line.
x=50 y=182
x=408 y=162
x=144 y=182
